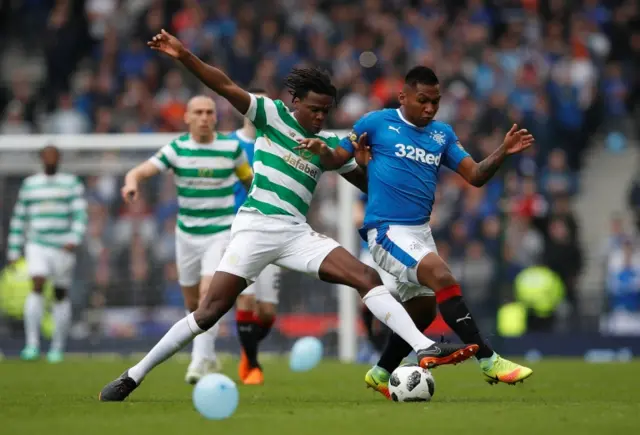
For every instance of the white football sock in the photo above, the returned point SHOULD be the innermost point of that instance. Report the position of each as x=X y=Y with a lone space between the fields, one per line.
x=175 y=339
x=33 y=312
x=62 y=321
x=390 y=312
x=204 y=345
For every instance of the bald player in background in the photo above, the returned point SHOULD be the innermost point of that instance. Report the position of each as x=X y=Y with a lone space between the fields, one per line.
x=206 y=165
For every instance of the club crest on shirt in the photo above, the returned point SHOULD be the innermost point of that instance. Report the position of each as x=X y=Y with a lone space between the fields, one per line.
x=438 y=137
x=305 y=154
x=205 y=172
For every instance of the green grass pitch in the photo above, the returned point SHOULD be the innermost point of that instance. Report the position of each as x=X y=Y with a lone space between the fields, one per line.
x=562 y=397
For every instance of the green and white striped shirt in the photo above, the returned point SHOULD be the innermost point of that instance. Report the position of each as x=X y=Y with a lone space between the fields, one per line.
x=284 y=179
x=204 y=176
x=51 y=211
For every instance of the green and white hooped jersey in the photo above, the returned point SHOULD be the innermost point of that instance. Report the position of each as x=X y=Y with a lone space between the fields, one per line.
x=51 y=211
x=284 y=178
x=204 y=176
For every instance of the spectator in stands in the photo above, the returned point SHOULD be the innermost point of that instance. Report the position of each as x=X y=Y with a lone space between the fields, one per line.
x=623 y=281
x=66 y=119
x=563 y=256
x=14 y=121
x=478 y=274
x=557 y=178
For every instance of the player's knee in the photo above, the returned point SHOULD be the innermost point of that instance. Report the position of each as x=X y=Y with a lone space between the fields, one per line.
x=212 y=309
x=443 y=277
x=266 y=312
x=246 y=303
x=370 y=279
x=60 y=293
x=191 y=297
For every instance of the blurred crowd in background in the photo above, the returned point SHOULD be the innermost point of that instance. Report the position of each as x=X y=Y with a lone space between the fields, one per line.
x=569 y=71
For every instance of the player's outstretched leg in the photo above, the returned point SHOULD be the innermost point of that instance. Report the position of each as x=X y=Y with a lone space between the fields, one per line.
x=342 y=268
x=422 y=310
x=62 y=324
x=203 y=355
x=33 y=312
x=220 y=297
x=434 y=273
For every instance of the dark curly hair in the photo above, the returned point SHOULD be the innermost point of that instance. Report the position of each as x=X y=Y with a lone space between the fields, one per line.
x=301 y=81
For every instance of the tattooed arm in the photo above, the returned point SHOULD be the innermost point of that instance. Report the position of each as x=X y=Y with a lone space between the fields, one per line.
x=477 y=174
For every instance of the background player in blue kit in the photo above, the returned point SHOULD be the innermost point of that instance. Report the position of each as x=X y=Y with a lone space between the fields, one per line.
x=407 y=147
x=257 y=304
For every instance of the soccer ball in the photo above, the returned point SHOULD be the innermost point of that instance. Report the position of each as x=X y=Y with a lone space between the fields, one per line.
x=411 y=383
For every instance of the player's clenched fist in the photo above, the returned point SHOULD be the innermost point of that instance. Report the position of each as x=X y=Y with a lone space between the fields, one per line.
x=316 y=146
x=167 y=44
x=129 y=191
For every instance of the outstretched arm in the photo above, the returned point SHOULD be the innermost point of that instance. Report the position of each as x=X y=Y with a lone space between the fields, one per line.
x=214 y=78
x=477 y=174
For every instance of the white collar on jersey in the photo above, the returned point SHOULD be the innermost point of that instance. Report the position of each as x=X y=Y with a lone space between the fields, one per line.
x=407 y=122
x=243 y=137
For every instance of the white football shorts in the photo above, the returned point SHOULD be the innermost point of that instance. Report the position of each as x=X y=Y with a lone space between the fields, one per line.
x=56 y=264
x=397 y=249
x=258 y=240
x=200 y=255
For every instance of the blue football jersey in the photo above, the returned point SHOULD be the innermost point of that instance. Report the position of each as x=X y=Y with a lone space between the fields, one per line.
x=247 y=145
x=403 y=172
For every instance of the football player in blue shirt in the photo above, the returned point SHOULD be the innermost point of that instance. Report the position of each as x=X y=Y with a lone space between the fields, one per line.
x=403 y=150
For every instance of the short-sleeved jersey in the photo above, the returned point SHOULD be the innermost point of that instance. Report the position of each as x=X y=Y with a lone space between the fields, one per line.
x=204 y=178
x=403 y=172
x=51 y=211
x=284 y=178
x=246 y=143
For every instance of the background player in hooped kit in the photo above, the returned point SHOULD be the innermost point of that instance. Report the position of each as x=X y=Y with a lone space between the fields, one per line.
x=271 y=226
x=49 y=221
x=403 y=150
x=206 y=166
x=257 y=305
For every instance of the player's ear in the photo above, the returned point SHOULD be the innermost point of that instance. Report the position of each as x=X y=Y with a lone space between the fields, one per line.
x=186 y=117
x=402 y=97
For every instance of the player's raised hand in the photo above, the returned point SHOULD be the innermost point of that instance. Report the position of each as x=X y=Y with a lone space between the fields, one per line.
x=516 y=140
x=362 y=150
x=316 y=146
x=167 y=44
x=129 y=192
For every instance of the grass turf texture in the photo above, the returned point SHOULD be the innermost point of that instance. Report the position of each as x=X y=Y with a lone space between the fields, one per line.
x=563 y=396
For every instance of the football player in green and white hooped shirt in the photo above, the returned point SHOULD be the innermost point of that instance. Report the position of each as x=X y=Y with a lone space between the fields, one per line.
x=49 y=222
x=205 y=165
x=271 y=226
